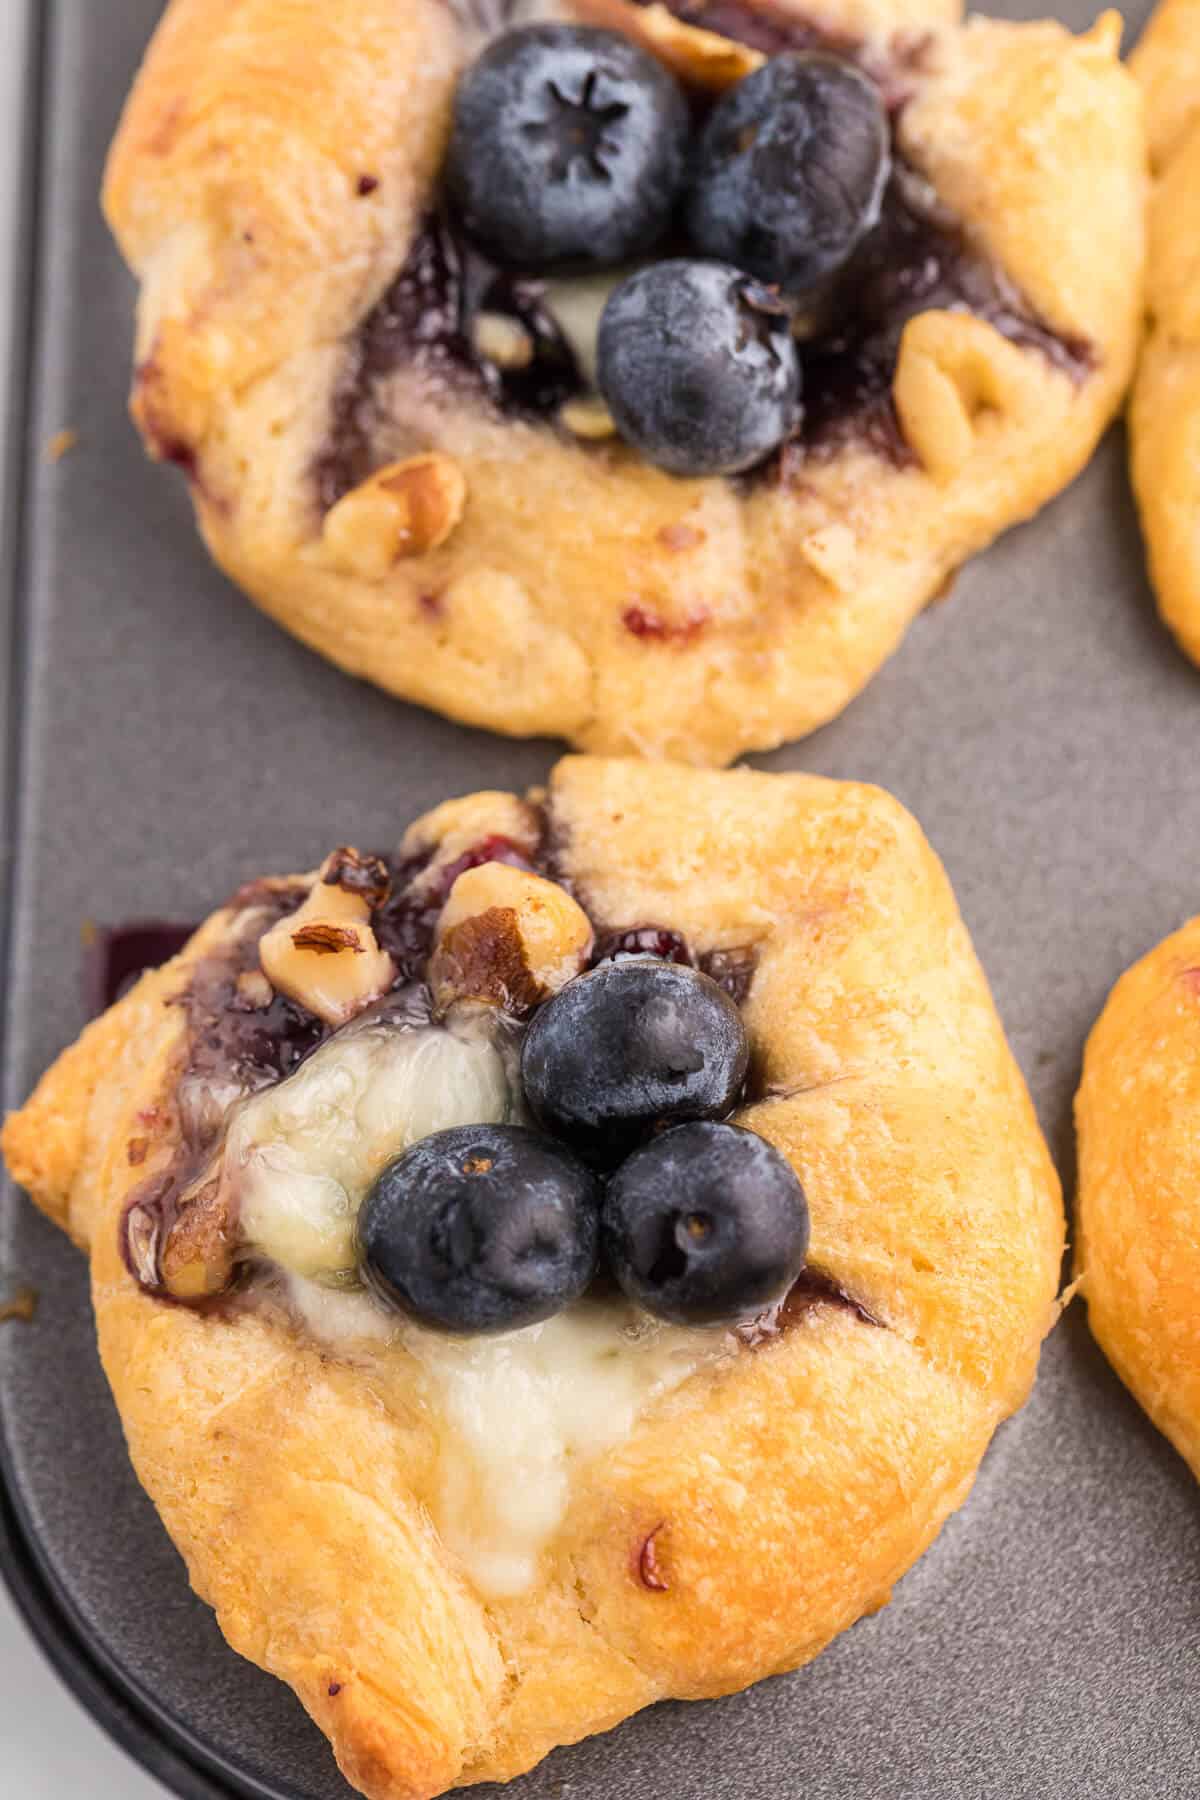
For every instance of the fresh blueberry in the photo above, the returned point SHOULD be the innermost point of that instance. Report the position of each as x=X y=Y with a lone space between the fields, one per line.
x=627 y=1047
x=481 y=1228
x=568 y=148
x=789 y=172
x=698 y=367
x=707 y=1224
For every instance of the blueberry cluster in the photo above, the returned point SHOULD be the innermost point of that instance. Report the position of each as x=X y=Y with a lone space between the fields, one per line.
x=629 y=1073
x=572 y=148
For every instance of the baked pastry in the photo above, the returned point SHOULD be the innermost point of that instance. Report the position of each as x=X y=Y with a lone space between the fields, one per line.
x=389 y=439
x=1164 y=421
x=460 y=1549
x=1138 y=1252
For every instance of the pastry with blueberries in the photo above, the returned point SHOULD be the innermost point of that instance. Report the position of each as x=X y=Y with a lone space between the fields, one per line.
x=575 y=1259
x=1164 y=422
x=1138 y=1252
x=632 y=374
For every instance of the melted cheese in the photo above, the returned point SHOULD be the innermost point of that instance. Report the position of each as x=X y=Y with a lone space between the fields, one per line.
x=303 y=1154
x=515 y=1413
x=512 y=1414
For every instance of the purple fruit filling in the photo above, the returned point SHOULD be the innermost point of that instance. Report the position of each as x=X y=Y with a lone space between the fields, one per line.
x=423 y=323
x=242 y=1036
x=116 y=956
x=917 y=258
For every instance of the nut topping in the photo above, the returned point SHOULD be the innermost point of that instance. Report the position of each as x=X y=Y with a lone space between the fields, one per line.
x=454 y=828
x=253 y=991
x=405 y=509
x=502 y=340
x=325 y=956
x=508 y=937
x=196 y=1258
x=700 y=58
x=366 y=876
x=588 y=418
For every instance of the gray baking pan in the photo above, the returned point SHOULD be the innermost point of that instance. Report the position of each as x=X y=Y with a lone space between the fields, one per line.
x=166 y=743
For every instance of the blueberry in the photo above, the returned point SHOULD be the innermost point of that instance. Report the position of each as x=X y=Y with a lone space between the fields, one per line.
x=628 y=1046
x=707 y=1224
x=789 y=172
x=480 y=1228
x=568 y=148
x=698 y=367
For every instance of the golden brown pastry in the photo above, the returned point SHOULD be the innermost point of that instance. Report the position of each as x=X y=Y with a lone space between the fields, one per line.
x=1165 y=415
x=1139 y=1184
x=462 y=1551
x=271 y=186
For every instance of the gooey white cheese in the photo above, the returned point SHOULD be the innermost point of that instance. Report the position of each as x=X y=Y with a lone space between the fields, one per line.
x=512 y=1414
x=515 y=1413
x=304 y=1154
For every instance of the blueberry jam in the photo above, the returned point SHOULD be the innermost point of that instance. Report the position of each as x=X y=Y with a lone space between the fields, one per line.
x=731 y=969
x=423 y=323
x=243 y=1037
x=229 y=1040
x=642 y=940
x=917 y=258
x=116 y=956
x=404 y=924
x=228 y=1033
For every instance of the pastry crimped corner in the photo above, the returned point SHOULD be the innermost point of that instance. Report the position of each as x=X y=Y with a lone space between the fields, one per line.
x=1138 y=1249
x=455 y=1567
x=409 y=477
x=1164 y=420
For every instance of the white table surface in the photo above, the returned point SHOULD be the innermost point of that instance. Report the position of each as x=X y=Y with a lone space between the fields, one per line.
x=49 y=1747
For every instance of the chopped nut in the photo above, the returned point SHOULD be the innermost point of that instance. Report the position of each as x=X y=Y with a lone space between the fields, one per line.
x=196 y=1260
x=327 y=939
x=502 y=340
x=509 y=937
x=254 y=992
x=701 y=58
x=358 y=874
x=588 y=417
x=141 y=1227
x=325 y=956
x=403 y=510
x=455 y=827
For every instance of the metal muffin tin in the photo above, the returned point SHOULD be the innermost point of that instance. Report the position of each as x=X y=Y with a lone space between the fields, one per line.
x=165 y=742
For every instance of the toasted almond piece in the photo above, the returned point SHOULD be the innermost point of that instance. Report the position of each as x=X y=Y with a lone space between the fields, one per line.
x=508 y=937
x=588 y=417
x=405 y=509
x=325 y=955
x=701 y=58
